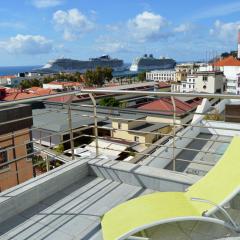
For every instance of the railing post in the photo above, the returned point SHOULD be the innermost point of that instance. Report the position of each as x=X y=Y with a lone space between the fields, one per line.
x=70 y=130
x=95 y=122
x=47 y=164
x=174 y=133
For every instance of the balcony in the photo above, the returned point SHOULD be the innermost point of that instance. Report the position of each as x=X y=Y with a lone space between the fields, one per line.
x=84 y=160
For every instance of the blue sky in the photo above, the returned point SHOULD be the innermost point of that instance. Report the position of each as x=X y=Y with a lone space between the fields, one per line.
x=34 y=31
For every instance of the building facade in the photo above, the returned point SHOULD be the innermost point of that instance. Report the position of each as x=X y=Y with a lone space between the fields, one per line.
x=201 y=82
x=180 y=76
x=161 y=76
x=63 y=86
x=15 y=146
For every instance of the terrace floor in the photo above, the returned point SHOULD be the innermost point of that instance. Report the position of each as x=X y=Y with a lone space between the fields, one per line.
x=73 y=213
x=207 y=143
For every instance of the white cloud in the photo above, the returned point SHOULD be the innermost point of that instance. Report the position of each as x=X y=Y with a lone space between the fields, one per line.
x=148 y=26
x=46 y=3
x=27 y=44
x=183 y=28
x=112 y=47
x=73 y=23
x=225 y=31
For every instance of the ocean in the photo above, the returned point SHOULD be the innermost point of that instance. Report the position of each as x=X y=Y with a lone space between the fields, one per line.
x=16 y=69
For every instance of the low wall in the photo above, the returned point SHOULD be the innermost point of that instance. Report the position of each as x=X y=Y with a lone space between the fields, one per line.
x=214 y=125
x=143 y=176
x=17 y=199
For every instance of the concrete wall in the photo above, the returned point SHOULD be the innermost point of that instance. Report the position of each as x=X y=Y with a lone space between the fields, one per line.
x=219 y=124
x=144 y=176
x=205 y=105
x=30 y=193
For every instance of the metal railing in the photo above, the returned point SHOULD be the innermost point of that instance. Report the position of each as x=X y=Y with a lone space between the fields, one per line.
x=168 y=149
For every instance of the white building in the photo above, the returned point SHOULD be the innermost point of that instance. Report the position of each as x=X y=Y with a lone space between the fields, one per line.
x=4 y=80
x=63 y=86
x=231 y=68
x=189 y=84
x=161 y=75
x=201 y=82
x=238 y=84
x=210 y=82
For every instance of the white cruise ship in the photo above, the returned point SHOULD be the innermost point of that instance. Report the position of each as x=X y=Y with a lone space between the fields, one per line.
x=147 y=63
x=70 y=65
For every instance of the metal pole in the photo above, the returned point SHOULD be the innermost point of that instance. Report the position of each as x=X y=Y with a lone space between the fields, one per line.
x=174 y=133
x=71 y=130
x=95 y=122
x=47 y=164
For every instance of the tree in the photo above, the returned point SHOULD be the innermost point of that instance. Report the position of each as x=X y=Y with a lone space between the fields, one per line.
x=109 y=102
x=225 y=54
x=30 y=83
x=98 y=77
x=108 y=74
x=142 y=76
x=25 y=84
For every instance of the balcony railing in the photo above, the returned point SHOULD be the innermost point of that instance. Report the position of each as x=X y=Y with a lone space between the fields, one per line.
x=193 y=143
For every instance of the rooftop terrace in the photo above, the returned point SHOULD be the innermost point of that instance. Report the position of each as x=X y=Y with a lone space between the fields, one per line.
x=69 y=201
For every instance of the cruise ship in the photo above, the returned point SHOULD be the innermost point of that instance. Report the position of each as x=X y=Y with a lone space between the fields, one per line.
x=148 y=62
x=70 y=65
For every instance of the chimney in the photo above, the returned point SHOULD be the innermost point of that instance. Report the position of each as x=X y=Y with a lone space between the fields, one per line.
x=239 y=44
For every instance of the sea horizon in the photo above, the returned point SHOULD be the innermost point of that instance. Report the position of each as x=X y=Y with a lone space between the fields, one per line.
x=13 y=70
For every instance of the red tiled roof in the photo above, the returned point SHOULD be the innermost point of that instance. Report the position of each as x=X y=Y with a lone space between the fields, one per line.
x=63 y=99
x=19 y=95
x=7 y=76
x=227 y=61
x=163 y=85
x=14 y=94
x=41 y=91
x=66 y=84
x=164 y=105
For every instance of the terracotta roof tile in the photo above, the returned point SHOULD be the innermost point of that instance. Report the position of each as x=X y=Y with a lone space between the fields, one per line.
x=227 y=61
x=164 y=106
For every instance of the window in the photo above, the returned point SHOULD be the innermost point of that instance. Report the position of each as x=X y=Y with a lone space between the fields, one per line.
x=3 y=158
x=119 y=125
x=193 y=80
x=205 y=78
x=136 y=139
x=29 y=148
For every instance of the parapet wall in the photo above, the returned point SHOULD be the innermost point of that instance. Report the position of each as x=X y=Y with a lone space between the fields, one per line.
x=143 y=176
x=17 y=199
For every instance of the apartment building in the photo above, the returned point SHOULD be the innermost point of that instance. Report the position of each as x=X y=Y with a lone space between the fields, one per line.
x=210 y=82
x=138 y=131
x=161 y=75
x=231 y=68
x=180 y=75
x=15 y=144
x=202 y=82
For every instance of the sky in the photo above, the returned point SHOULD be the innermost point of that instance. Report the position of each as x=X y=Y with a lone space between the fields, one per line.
x=35 y=31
